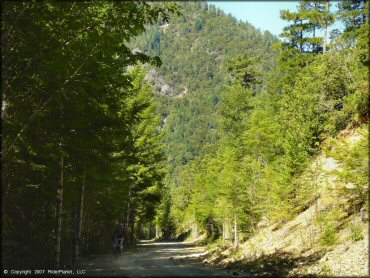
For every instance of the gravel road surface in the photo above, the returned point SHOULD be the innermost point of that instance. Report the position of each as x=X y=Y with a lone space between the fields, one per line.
x=154 y=259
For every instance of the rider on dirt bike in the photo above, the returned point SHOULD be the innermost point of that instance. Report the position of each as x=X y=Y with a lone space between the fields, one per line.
x=117 y=238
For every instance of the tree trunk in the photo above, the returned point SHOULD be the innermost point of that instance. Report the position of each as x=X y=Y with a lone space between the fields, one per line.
x=87 y=236
x=226 y=230
x=128 y=215
x=77 y=233
x=236 y=241
x=156 y=231
x=150 y=229
x=132 y=229
x=140 y=230
x=87 y=227
x=325 y=30
x=59 y=212
x=301 y=39
x=194 y=229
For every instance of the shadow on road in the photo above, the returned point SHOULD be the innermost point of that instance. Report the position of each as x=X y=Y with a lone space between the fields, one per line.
x=154 y=259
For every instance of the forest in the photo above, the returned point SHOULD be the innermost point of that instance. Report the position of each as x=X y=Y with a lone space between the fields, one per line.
x=176 y=120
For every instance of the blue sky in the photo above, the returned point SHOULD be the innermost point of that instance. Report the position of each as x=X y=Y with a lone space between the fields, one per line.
x=264 y=15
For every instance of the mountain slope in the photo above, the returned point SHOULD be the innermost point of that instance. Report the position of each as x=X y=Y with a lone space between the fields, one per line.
x=194 y=48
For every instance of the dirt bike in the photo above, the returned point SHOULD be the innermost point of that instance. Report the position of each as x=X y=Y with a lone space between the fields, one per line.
x=117 y=248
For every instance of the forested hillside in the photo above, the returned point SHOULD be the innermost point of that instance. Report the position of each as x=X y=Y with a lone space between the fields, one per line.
x=194 y=49
x=177 y=121
x=268 y=134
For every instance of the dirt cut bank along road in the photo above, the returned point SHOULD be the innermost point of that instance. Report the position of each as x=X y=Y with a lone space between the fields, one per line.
x=154 y=259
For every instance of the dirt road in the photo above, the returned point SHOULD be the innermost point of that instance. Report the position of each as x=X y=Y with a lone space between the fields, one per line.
x=154 y=259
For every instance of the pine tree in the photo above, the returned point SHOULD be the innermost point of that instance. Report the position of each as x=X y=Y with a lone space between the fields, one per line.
x=65 y=86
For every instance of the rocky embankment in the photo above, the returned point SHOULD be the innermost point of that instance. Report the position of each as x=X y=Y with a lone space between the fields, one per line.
x=287 y=251
x=296 y=247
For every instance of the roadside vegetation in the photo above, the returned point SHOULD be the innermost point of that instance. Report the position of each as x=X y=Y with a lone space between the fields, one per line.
x=180 y=121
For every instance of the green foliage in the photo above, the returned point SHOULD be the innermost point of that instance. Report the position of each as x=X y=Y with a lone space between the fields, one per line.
x=195 y=49
x=269 y=132
x=306 y=22
x=353 y=14
x=329 y=236
x=328 y=222
x=69 y=96
x=243 y=69
x=353 y=157
x=356 y=232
